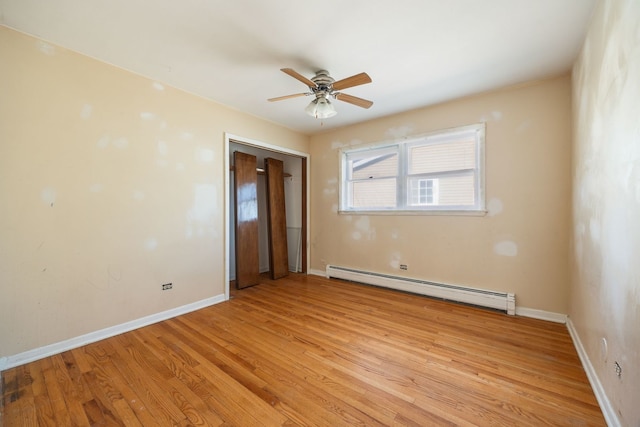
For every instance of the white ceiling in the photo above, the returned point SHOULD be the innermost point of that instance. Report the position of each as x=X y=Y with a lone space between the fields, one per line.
x=418 y=52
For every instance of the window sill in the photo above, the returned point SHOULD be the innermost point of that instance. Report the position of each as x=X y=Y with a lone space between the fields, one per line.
x=419 y=212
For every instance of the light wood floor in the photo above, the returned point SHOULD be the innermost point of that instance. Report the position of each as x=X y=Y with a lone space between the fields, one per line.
x=309 y=351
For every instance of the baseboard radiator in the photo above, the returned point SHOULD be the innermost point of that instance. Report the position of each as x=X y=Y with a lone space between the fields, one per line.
x=480 y=297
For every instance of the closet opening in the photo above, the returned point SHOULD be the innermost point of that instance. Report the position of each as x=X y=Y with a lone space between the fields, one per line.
x=264 y=235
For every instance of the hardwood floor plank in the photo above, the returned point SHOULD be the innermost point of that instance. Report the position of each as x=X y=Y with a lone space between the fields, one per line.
x=101 y=406
x=125 y=414
x=260 y=411
x=237 y=369
x=97 y=415
x=44 y=411
x=80 y=358
x=305 y=350
x=73 y=398
x=151 y=388
x=80 y=387
x=272 y=344
x=190 y=392
x=41 y=409
x=129 y=396
x=55 y=392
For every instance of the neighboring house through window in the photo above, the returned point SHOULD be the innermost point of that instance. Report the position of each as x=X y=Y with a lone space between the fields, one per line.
x=423 y=192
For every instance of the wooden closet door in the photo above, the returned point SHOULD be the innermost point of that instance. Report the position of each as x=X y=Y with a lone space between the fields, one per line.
x=276 y=219
x=246 y=220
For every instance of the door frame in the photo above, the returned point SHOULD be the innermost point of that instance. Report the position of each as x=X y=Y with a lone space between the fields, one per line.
x=228 y=138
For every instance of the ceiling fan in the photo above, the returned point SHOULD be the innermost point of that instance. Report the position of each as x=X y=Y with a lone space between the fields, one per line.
x=323 y=86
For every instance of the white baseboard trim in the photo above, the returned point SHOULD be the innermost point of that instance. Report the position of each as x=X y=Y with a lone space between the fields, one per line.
x=605 y=405
x=541 y=314
x=317 y=272
x=9 y=362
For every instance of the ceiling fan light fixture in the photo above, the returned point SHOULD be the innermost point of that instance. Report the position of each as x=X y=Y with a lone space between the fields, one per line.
x=321 y=108
x=323 y=86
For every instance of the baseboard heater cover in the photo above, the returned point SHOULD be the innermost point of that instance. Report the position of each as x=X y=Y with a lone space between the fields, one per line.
x=480 y=297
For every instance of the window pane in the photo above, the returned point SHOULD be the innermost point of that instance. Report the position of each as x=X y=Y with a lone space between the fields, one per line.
x=377 y=165
x=441 y=157
x=456 y=191
x=375 y=193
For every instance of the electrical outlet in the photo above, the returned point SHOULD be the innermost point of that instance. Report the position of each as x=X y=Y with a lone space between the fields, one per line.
x=167 y=286
x=404 y=267
x=618 y=369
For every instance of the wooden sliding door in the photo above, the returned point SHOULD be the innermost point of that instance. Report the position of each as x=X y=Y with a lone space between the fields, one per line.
x=276 y=219
x=246 y=220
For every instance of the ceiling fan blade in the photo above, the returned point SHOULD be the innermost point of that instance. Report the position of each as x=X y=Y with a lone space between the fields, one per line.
x=354 y=100
x=358 y=79
x=298 y=76
x=281 y=98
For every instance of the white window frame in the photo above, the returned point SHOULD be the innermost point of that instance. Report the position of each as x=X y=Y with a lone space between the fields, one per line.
x=403 y=202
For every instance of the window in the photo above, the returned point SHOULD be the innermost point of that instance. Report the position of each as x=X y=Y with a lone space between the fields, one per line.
x=438 y=172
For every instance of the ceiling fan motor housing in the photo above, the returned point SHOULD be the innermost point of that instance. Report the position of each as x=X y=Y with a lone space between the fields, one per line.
x=323 y=81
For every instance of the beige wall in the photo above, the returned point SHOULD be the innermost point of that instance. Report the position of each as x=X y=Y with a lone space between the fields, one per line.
x=605 y=292
x=520 y=246
x=110 y=185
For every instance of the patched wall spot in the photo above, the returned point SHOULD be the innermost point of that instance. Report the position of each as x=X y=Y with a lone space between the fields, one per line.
x=506 y=248
x=364 y=228
x=494 y=207
x=48 y=196
x=594 y=230
x=204 y=155
x=151 y=244
x=363 y=223
x=400 y=132
x=524 y=126
x=103 y=142
x=121 y=143
x=86 y=111
x=46 y=48
x=337 y=144
x=396 y=257
x=201 y=216
x=163 y=148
